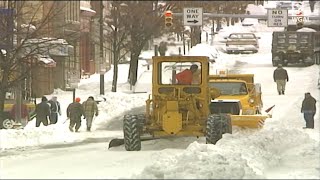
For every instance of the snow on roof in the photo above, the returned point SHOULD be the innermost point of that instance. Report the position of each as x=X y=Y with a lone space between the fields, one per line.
x=87 y=9
x=28 y=26
x=48 y=61
x=47 y=40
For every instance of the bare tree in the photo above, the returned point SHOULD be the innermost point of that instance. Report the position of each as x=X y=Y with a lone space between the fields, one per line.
x=143 y=22
x=23 y=24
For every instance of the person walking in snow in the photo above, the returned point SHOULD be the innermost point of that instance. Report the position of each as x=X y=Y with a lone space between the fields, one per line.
x=42 y=112
x=308 y=109
x=280 y=76
x=90 y=109
x=162 y=48
x=54 y=110
x=74 y=112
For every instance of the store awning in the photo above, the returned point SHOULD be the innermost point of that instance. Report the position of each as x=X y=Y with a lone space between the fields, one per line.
x=87 y=11
x=47 y=61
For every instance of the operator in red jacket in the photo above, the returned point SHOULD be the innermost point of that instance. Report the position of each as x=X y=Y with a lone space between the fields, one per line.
x=186 y=76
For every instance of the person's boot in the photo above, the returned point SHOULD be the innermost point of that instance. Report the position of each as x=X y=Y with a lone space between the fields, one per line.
x=70 y=128
x=279 y=92
x=88 y=129
x=283 y=92
x=77 y=130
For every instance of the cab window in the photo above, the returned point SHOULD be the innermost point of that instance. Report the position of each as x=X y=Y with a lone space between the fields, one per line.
x=171 y=72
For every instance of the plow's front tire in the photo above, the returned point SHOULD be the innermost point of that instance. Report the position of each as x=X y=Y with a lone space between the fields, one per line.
x=216 y=126
x=131 y=132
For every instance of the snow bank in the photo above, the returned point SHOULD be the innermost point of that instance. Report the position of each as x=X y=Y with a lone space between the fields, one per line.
x=115 y=105
x=236 y=156
x=12 y=138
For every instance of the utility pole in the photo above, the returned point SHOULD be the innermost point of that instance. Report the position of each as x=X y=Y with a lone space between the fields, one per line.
x=102 y=69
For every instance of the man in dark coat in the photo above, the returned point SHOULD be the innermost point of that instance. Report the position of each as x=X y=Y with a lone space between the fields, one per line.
x=163 y=48
x=280 y=76
x=42 y=112
x=54 y=110
x=309 y=110
x=74 y=112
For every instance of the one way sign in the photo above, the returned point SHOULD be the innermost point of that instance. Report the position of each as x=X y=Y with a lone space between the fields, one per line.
x=192 y=16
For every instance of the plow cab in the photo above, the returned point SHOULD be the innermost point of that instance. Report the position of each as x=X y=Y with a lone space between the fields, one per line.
x=240 y=97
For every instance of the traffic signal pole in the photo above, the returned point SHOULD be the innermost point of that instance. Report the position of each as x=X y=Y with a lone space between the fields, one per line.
x=101 y=50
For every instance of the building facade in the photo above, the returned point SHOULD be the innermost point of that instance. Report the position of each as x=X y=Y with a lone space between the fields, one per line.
x=87 y=47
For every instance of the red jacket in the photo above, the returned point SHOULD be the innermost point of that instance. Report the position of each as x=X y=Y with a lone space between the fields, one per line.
x=184 y=77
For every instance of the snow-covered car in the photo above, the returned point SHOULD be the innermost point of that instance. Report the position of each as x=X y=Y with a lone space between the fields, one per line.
x=205 y=50
x=249 y=22
x=240 y=42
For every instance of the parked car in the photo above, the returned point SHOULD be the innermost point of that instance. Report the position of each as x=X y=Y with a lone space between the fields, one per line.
x=241 y=42
x=205 y=50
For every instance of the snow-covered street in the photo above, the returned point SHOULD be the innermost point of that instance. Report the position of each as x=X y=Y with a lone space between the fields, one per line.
x=282 y=149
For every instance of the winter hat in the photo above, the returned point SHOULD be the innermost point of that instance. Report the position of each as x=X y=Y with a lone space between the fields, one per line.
x=78 y=99
x=44 y=98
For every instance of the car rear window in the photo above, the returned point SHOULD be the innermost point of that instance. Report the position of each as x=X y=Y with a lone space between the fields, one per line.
x=248 y=36
x=242 y=36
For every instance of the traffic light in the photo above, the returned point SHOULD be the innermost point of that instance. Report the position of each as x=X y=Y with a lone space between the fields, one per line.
x=168 y=19
x=300 y=25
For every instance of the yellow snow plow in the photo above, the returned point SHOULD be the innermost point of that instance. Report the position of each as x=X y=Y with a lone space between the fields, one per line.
x=178 y=106
x=240 y=97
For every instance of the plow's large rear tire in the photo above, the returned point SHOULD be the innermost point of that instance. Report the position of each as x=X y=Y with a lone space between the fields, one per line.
x=216 y=126
x=131 y=132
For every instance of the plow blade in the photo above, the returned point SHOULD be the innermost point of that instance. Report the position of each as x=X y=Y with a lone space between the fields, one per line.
x=118 y=142
x=249 y=121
